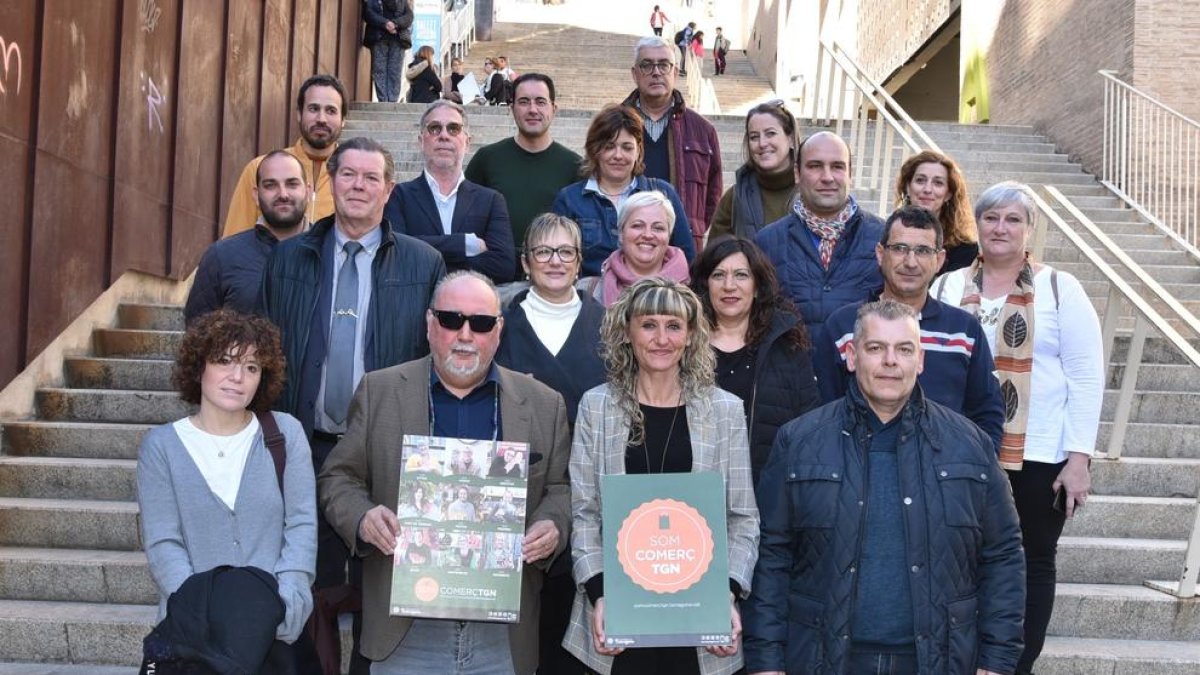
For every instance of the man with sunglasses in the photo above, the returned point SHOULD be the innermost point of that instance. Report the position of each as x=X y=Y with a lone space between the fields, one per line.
x=958 y=362
x=466 y=222
x=679 y=145
x=457 y=392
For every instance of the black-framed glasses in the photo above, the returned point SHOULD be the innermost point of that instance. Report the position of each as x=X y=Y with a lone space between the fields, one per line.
x=648 y=67
x=567 y=254
x=454 y=320
x=921 y=250
x=435 y=128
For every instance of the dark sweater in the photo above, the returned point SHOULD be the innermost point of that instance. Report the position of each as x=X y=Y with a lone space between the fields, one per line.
x=883 y=606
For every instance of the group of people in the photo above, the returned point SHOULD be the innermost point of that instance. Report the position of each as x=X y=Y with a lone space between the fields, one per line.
x=893 y=403
x=690 y=40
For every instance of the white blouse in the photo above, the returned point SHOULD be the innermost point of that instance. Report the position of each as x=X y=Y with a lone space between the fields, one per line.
x=220 y=459
x=1067 y=383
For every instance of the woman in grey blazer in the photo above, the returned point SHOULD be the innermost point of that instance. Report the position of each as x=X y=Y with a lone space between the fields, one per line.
x=659 y=412
x=207 y=484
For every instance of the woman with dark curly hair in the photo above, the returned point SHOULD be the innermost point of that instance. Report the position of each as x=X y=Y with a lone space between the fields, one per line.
x=658 y=413
x=208 y=487
x=934 y=181
x=762 y=348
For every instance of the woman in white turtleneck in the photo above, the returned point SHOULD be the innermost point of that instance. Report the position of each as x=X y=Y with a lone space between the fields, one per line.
x=552 y=331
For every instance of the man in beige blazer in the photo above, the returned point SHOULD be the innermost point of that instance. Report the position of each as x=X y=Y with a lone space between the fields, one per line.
x=455 y=391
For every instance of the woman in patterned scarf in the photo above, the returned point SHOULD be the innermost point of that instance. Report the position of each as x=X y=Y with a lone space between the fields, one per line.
x=1049 y=356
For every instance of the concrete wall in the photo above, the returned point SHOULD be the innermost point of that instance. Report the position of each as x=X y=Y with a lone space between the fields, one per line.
x=891 y=31
x=932 y=93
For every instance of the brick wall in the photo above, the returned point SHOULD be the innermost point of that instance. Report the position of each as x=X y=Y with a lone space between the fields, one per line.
x=891 y=31
x=1166 y=53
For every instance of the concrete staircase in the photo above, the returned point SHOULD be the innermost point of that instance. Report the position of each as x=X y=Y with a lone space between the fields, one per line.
x=74 y=587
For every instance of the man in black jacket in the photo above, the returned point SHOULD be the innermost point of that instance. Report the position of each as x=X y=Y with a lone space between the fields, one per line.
x=230 y=273
x=349 y=297
x=890 y=542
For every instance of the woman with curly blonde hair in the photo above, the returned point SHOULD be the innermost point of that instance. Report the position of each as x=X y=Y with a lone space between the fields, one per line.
x=934 y=181
x=659 y=412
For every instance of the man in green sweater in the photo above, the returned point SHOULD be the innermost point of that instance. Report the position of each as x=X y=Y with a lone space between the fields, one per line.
x=530 y=168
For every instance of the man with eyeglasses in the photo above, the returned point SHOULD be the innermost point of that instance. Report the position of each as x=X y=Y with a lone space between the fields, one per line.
x=349 y=296
x=456 y=392
x=679 y=145
x=530 y=167
x=466 y=222
x=958 y=362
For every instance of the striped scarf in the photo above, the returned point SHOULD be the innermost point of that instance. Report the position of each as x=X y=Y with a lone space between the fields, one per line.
x=830 y=230
x=1013 y=355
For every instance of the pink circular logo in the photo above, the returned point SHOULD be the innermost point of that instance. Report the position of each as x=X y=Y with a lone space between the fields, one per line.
x=665 y=546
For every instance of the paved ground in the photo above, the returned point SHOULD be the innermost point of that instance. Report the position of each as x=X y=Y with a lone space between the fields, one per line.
x=631 y=17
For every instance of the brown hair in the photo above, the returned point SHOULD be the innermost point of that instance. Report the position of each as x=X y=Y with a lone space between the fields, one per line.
x=958 y=223
x=221 y=332
x=610 y=121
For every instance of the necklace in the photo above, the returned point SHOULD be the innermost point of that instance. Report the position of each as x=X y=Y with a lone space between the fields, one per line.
x=222 y=444
x=671 y=430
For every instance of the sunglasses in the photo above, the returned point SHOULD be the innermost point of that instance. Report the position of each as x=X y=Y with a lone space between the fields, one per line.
x=454 y=320
x=435 y=128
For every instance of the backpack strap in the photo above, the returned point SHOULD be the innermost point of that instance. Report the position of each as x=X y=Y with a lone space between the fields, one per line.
x=273 y=438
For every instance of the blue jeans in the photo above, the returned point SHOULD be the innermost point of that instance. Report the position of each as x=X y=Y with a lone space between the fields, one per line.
x=881 y=661
x=450 y=648
x=387 y=62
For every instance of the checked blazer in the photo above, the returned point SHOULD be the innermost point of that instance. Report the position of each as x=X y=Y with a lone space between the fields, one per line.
x=717 y=424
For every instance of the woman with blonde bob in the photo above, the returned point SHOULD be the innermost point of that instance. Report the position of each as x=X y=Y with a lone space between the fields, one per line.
x=659 y=412
x=644 y=224
x=933 y=180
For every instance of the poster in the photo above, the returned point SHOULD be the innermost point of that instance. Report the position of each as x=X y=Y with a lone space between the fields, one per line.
x=666 y=560
x=461 y=506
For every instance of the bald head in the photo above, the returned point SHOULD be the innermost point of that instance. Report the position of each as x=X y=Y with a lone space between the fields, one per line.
x=823 y=174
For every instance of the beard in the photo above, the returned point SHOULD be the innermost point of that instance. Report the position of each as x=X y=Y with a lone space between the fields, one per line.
x=276 y=220
x=468 y=371
x=320 y=143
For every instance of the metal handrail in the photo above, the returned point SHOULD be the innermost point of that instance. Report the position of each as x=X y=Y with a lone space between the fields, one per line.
x=1151 y=160
x=1145 y=318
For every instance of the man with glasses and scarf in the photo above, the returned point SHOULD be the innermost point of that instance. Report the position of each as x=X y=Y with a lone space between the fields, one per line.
x=466 y=222
x=679 y=145
x=455 y=392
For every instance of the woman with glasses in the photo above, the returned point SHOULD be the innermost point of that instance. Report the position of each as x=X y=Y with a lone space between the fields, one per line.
x=764 y=184
x=424 y=86
x=659 y=413
x=613 y=166
x=1049 y=355
x=762 y=348
x=932 y=180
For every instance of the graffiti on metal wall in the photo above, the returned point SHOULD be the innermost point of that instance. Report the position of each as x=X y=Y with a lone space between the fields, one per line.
x=150 y=13
x=154 y=101
x=10 y=52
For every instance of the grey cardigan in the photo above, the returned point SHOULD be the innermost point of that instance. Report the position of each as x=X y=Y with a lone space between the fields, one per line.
x=186 y=529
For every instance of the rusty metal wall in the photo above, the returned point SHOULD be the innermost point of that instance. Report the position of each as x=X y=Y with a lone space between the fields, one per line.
x=123 y=127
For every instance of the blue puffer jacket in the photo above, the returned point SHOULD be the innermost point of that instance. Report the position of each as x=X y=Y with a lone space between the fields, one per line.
x=852 y=275
x=404 y=272
x=963 y=543
x=597 y=220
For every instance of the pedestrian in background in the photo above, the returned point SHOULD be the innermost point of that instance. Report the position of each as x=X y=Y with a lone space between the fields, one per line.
x=388 y=34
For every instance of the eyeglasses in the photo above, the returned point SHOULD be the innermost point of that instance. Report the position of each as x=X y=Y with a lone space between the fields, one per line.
x=921 y=251
x=452 y=320
x=435 y=128
x=542 y=254
x=648 y=67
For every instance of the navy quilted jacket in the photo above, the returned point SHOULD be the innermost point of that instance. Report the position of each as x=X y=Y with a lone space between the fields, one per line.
x=962 y=538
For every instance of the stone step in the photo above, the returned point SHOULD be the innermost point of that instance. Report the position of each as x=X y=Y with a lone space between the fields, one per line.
x=1171 y=407
x=1087 y=656
x=1156 y=350
x=75 y=632
x=1122 y=612
x=68 y=478
x=76 y=523
x=1113 y=516
x=1164 y=274
x=1157 y=377
x=94 y=440
x=1151 y=441
x=150 y=317
x=137 y=343
x=1147 y=257
x=1098 y=560
x=63 y=669
x=88 y=372
x=110 y=405
x=1146 y=476
x=76 y=575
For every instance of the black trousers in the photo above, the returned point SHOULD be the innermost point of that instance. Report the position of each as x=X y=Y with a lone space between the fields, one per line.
x=1041 y=526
